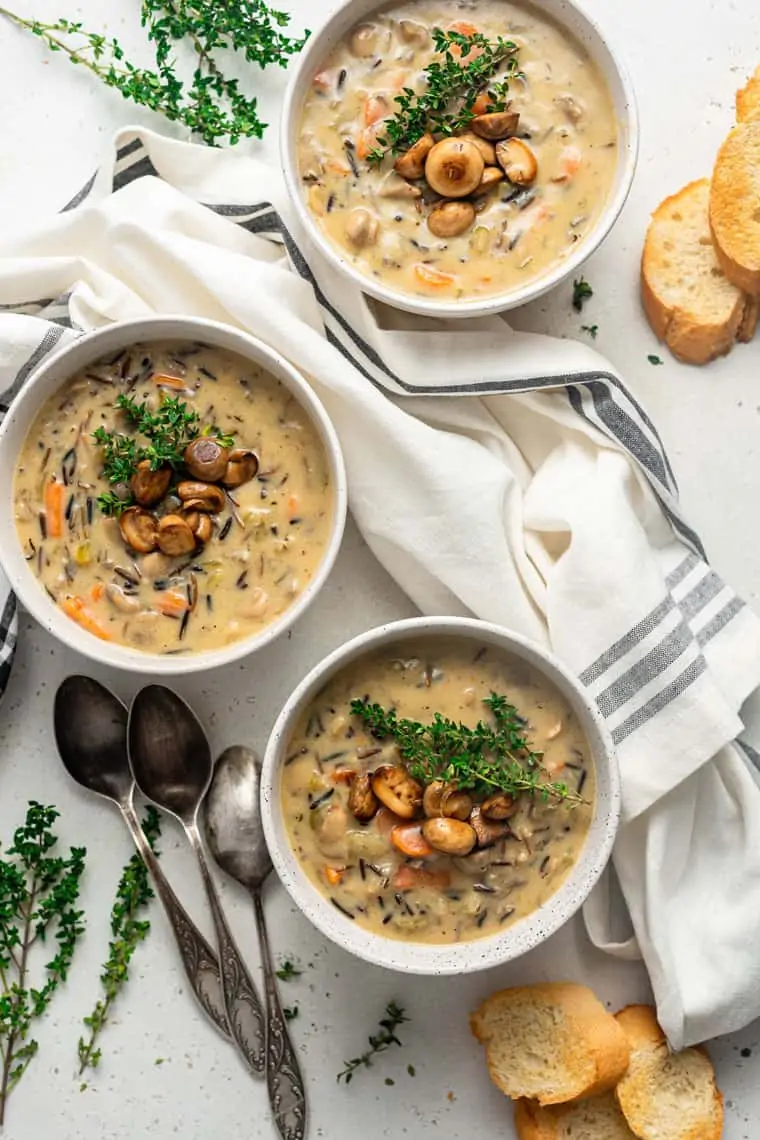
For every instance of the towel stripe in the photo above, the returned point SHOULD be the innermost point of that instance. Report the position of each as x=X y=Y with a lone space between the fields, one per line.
x=660 y=700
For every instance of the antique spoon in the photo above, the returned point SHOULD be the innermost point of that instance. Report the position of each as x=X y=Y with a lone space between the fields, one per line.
x=235 y=837
x=171 y=763
x=91 y=734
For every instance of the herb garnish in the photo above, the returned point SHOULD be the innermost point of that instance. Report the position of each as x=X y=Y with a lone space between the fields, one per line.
x=38 y=895
x=592 y=330
x=168 y=431
x=452 y=85
x=291 y=1012
x=394 y=1016
x=287 y=971
x=212 y=105
x=133 y=892
x=582 y=292
x=482 y=759
x=655 y=359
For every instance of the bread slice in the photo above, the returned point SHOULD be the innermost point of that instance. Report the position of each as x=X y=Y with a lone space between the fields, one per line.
x=735 y=206
x=687 y=299
x=598 y=1118
x=552 y=1043
x=748 y=100
x=664 y=1095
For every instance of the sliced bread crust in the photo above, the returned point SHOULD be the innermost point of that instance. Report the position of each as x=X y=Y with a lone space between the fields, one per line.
x=664 y=1095
x=598 y=1118
x=687 y=298
x=552 y=1043
x=748 y=100
x=735 y=206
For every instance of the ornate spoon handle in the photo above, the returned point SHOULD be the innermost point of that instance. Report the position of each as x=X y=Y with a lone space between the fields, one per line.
x=287 y=1097
x=244 y=1013
x=199 y=960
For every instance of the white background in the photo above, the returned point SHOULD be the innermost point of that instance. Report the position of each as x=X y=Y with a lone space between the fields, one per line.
x=687 y=57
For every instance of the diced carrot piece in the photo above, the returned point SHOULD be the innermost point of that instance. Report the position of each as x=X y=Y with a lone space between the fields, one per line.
x=366 y=141
x=163 y=380
x=433 y=277
x=294 y=503
x=343 y=775
x=97 y=591
x=375 y=109
x=569 y=164
x=334 y=875
x=172 y=604
x=338 y=168
x=386 y=820
x=463 y=27
x=481 y=104
x=324 y=80
x=406 y=878
x=54 y=492
x=409 y=840
x=74 y=608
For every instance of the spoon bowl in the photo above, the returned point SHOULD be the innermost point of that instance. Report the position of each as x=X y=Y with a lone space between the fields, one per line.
x=232 y=818
x=169 y=752
x=90 y=725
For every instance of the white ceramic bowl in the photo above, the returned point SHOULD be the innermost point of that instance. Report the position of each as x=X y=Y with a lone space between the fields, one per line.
x=568 y=14
x=58 y=368
x=482 y=953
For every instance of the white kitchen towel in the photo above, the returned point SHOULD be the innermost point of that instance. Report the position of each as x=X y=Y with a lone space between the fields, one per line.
x=544 y=501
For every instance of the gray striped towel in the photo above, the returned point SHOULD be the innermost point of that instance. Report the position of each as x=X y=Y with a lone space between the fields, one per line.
x=544 y=501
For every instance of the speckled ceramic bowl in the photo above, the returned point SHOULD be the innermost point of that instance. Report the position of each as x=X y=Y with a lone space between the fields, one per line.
x=481 y=953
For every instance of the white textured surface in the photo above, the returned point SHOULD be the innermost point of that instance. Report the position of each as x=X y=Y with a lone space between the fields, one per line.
x=686 y=57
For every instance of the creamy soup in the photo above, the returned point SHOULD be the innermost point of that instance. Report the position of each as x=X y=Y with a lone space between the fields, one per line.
x=173 y=498
x=398 y=843
x=486 y=212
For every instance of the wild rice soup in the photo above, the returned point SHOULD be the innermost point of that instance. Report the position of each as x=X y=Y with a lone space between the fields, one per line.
x=430 y=860
x=173 y=498
x=544 y=167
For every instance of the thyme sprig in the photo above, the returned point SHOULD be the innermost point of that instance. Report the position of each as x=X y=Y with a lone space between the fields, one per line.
x=379 y=1042
x=38 y=895
x=452 y=84
x=132 y=894
x=483 y=759
x=211 y=105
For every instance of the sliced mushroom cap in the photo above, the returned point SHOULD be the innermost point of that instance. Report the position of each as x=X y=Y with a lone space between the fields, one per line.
x=486 y=148
x=139 y=529
x=492 y=176
x=452 y=836
x=495 y=125
x=369 y=39
x=148 y=486
x=201 y=496
x=454 y=167
x=499 y=806
x=517 y=161
x=362 y=801
x=412 y=164
x=199 y=524
x=205 y=458
x=442 y=799
x=361 y=228
x=175 y=536
x=488 y=831
x=413 y=32
x=396 y=789
x=394 y=186
x=448 y=219
x=241 y=468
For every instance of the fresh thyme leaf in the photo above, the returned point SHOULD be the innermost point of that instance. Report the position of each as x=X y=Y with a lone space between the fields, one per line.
x=655 y=359
x=483 y=759
x=287 y=971
x=38 y=895
x=111 y=505
x=379 y=1042
x=211 y=104
x=592 y=330
x=132 y=894
x=452 y=84
x=582 y=292
x=291 y=1012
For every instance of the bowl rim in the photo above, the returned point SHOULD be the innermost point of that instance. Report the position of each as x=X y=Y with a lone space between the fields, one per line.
x=18 y=422
x=435 y=958
x=628 y=152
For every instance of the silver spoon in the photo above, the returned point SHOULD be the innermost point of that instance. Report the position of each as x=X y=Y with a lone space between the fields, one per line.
x=91 y=734
x=236 y=839
x=171 y=762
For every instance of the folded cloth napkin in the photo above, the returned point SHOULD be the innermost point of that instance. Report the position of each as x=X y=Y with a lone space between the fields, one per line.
x=544 y=502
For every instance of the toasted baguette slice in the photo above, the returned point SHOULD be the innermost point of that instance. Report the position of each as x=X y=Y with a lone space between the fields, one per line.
x=598 y=1118
x=735 y=207
x=551 y=1043
x=748 y=100
x=664 y=1095
x=687 y=299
